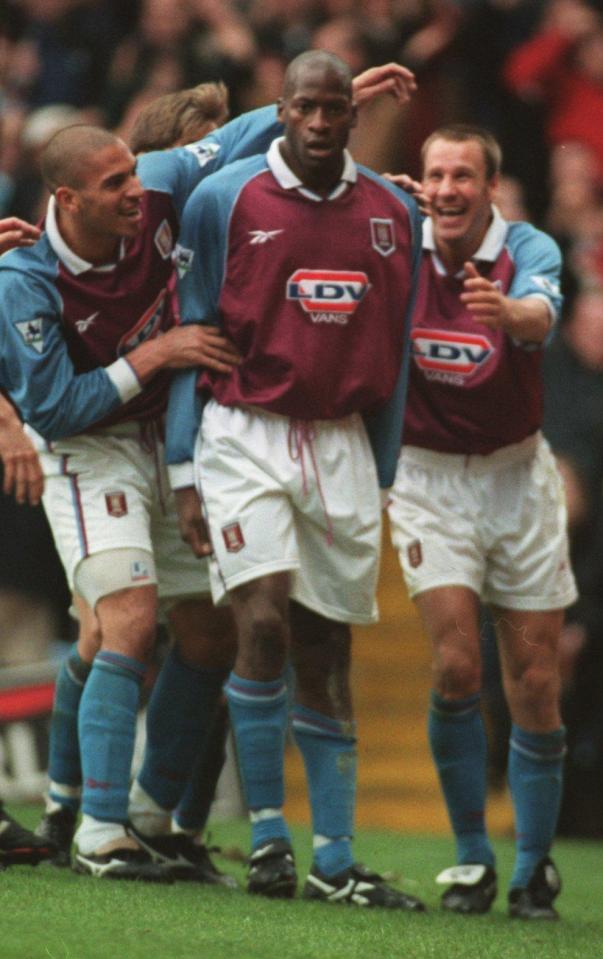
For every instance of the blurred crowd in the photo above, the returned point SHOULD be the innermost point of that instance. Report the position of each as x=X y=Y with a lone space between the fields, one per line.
x=531 y=71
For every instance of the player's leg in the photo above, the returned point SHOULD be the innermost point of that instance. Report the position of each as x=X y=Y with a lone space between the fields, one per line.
x=324 y=730
x=97 y=500
x=245 y=470
x=450 y=616
x=529 y=644
x=107 y=727
x=258 y=706
x=64 y=761
x=179 y=740
x=191 y=816
x=529 y=584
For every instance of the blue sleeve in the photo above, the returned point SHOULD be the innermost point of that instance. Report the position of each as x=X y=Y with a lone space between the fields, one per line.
x=537 y=261
x=200 y=258
x=178 y=171
x=385 y=427
x=35 y=367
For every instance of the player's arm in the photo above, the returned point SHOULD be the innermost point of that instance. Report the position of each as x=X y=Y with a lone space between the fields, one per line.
x=180 y=170
x=532 y=305
x=200 y=263
x=385 y=427
x=39 y=375
x=22 y=471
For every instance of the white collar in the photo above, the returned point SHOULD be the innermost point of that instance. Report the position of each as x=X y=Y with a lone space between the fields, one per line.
x=74 y=263
x=288 y=180
x=490 y=248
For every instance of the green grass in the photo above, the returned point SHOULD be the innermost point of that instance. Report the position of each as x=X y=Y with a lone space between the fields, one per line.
x=47 y=913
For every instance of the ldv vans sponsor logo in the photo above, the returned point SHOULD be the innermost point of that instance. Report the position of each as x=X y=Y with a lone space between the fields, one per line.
x=329 y=296
x=450 y=352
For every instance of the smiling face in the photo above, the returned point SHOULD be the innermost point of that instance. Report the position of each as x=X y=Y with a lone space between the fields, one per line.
x=460 y=194
x=110 y=195
x=318 y=113
x=104 y=205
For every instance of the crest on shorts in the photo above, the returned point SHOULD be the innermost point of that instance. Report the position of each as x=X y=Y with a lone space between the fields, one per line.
x=415 y=553
x=164 y=239
x=383 y=237
x=233 y=537
x=116 y=503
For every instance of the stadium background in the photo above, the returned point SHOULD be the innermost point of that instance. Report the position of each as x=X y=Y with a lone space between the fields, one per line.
x=529 y=70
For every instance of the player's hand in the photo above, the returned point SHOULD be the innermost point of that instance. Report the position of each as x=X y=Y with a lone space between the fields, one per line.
x=197 y=345
x=414 y=187
x=219 y=353
x=16 y=232
x=484 y=299
x=22 y=471
x=390 y=78
x=192 y=525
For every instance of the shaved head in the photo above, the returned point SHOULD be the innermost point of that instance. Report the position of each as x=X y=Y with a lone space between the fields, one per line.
x=63 y=162
x=315 y=60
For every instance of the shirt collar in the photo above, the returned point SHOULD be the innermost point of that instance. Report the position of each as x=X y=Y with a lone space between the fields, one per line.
x=491 y=245
x=74 y=263
x=288 y=180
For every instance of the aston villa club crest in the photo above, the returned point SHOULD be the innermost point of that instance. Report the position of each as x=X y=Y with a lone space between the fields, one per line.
x=233 y=537
x=383 y=237
x=116 y=503
x=415 y=553
x=164 y=240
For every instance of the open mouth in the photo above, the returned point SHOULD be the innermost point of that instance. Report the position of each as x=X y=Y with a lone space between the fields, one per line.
x=449 y=214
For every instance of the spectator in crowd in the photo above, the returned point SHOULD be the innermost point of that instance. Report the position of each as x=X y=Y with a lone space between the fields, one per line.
x=562 y=66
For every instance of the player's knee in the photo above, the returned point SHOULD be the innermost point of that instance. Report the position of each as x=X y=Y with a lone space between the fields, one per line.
x=263 y=641
x=457 y=672
x=536 y=689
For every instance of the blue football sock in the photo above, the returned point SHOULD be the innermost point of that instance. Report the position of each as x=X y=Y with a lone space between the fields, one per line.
x=258 y=716
x=64 y=766
x=535 y=779
x=107 y=729
x=199 y=793
x=179 y=718
x=458 y=745
x=328 y=747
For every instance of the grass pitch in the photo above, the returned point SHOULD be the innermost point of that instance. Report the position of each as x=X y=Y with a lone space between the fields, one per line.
x=46 y=913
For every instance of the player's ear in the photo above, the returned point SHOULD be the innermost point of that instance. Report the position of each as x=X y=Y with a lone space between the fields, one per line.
x=493 y=184
x=354 y=119
x=280 y=107
x=66 y=198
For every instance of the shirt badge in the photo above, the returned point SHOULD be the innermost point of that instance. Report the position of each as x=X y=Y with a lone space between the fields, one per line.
x=383 y=236
x=164 y=240
x=32 y=332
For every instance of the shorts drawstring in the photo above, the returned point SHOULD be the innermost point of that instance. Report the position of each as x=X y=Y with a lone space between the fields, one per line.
x=302 y=434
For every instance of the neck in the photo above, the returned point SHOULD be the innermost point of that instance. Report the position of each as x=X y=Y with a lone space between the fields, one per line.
x=451 y=256
x=95 y=249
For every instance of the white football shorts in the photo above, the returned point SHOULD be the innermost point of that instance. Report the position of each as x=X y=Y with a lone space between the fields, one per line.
x=109 y=491
x=302 y=496
x=496 y=524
